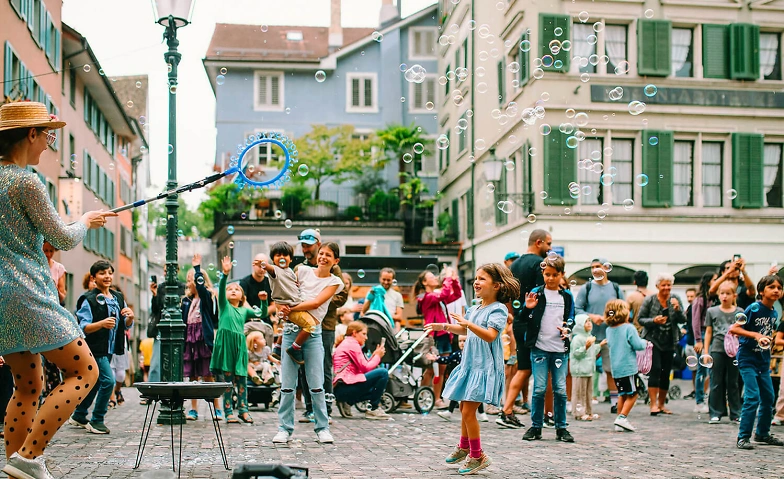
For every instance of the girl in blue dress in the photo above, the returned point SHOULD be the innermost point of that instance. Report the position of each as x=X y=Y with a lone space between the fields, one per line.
x=479 y=378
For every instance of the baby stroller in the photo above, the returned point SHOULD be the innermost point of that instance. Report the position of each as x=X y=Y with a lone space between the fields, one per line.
x=261 y=394
x=402 y=356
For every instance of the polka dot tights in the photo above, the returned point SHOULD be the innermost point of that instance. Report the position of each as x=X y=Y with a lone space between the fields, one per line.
x=29 y=429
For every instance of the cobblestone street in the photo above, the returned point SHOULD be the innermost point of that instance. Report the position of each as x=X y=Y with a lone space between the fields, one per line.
x=679 y=446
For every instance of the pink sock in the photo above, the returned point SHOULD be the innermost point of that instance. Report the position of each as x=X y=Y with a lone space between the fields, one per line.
x=475 y=448
x=463 y=443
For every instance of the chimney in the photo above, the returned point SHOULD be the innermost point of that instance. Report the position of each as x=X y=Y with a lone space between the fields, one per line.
x=389 y=13
x=335 y=30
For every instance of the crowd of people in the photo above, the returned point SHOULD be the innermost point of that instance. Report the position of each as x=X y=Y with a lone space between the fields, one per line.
x=296 y=327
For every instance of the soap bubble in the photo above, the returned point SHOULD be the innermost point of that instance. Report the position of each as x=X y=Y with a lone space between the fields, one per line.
x=231 y=244
x=649 y=13
x=642 y=180
x=732 y=194
x=516 y=304
x=706 y=361
x=650 y=90
x=200 y=280
x=303 y=170
x=220 y=79
x=628 y=204
x=583 y=16
x=321 y=76
x=230 y=230
x=287 y=223
x=377 y=36
x=636 y=107
x=86 y=68
x=692 y=361
x=741 y=319
x=100 y=299
x=653 y=141
x=622 y=68
x=361 y=273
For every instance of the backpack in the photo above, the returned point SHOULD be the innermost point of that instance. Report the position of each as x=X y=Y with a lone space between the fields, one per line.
x=615 y=287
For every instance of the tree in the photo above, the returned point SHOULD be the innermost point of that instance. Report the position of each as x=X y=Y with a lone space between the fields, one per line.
x=228 y=200
x=334 y=153
x=192 y=223
x=398 y=140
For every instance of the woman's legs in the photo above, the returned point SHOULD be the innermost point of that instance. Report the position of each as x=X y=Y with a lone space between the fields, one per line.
x=288 y=383
x=31 y=429
x=654 y=378
x=664 y=378
x=314 y=372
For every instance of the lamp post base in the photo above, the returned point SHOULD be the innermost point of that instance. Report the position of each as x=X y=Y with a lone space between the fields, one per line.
x=171 y=413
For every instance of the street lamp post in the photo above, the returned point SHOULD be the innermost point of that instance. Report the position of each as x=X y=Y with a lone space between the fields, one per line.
x=172 y=14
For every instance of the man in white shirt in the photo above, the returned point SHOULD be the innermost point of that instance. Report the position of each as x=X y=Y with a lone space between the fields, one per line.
x=393 y=300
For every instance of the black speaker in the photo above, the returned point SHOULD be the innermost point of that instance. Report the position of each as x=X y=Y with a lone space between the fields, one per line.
x=269 y=471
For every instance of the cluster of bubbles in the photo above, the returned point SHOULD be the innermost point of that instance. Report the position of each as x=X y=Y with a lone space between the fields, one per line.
x=418 y=149
x=415 y=74
x=704 y=360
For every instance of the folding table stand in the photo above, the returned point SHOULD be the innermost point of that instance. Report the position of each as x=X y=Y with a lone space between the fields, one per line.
x=173 y=393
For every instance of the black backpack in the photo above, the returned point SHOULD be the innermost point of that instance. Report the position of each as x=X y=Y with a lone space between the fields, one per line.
x=615 y=287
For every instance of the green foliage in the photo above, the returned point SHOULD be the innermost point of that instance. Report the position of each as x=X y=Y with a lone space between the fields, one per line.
x=310 y=202
x=192 y=223
x=383 y=206
x=333 y=153
x=399 y=140
x=182 y=274
x=353 y=212
x=412 y=191
x=444 y=223
x=293 y=197
x=369 y=183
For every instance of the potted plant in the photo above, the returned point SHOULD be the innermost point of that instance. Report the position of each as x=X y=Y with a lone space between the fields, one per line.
x=320 y=209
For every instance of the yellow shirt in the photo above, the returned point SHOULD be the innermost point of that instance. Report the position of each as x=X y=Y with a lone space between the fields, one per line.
x=146 y=348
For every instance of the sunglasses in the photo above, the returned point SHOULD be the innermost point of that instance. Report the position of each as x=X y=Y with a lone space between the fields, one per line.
x=307 y=238
x=51 y=138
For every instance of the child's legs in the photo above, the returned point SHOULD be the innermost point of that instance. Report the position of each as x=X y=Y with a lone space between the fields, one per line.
x=558 y=368
x=225 y=376
x=302 y=336
x=588 y=404
x=626 y=403
x=104 y=388
x=539 y=371
x=471 y=424
x=766 y=402
x=548 y=397
x=580 y=395
x=751 y=401
x=241 y=386
x=717 y=400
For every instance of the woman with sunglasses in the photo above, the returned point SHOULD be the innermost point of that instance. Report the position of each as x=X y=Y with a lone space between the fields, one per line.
x=32 y=322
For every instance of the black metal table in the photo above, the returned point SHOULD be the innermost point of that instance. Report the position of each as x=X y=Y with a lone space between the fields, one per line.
x=174 y=392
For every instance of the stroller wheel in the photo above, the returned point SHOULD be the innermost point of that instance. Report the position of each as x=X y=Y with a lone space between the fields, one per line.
x=388 y=403
x=424 y=399
x=674 y=392
x=362 y=406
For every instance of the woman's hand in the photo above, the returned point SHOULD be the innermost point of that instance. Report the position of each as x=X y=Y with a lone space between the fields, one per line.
x=380 y=351
x=283 y=310
x=128 y=313
x=531 y=300
x=96 y=219
x=564 y=332
x=675 y=304
x=226 y=265
x=108 y=323
x=660 y=319
x=196 y=261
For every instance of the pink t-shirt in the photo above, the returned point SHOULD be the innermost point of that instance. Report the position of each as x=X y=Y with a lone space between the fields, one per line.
x=57 y=270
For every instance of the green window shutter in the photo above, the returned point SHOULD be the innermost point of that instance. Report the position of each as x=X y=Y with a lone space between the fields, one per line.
x=715 y=51
x=747 y=170
x=523 y=61
x=456 y=219
x=501 y=83
x=657 y=164
x=502 y=218
x=447 y=91
x=560 y=169
x=48 y=42
x=744 y=51
x=42 y=25
x=7 y=72
x=57 y=52
x=470 y=214
x=653 y=47
x=86 y=98
x=547 y=25
x=30 y=14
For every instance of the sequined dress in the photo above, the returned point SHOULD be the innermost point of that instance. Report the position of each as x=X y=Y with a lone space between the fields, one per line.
x=31 y=318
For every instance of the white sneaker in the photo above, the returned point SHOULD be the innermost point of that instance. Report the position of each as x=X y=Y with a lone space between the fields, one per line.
x=714 y=420
x=446 y=415
x=482 y=417
x=624 y=423
x=282 y=437
x=701 y=408
x=324 y=436
x=22 y=468
x=568 y=406
x=619 y=429
x=377 y=414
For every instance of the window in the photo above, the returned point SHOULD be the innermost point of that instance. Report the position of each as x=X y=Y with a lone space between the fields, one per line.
x=615 y=46
x=555 y=27
x=268 y=91
x=770 y=56
x=423 y=95
x=443 y=155
x=772 y=175
x=126 y=241
x=712 y=162
x=71 y=152
x=362 y=93
x=268 y=154
x=462 y=134
x=501 y=217
x=18 y=7
x=426 y=165
x=17 y=83
x=623 y=162
x=422 y=42
x=72 y=85
x=38 y=11
x=654 y=38
x=446 y=85
x=683 y=164
x=588 y=176
x=560 y=169
x=682 y=52
x=583 y=46
x=355 y=249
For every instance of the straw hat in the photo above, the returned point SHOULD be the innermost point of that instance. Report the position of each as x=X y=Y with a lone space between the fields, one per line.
x=27 y=114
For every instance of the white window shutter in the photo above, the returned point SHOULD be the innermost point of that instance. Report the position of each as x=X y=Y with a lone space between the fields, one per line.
x=262 y=90
x=418 y=96
x=429 y=164
x=275 y=89
x=430 y=84
x=418 y=50
x=355 y=92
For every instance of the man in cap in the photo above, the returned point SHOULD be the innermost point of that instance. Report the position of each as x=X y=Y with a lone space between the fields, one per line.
x=510 y=258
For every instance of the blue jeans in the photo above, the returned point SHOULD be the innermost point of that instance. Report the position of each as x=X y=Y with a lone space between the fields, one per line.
x=155 y=362
x=702 y=374
x=100 y=393
x=313 y=350
x=556 y=364
x=757 y=400
x=371 y=390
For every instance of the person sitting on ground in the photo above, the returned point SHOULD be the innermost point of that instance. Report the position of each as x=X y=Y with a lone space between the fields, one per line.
x=358 y=379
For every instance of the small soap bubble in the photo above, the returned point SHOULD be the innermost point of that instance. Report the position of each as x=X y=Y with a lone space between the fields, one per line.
x=211 y=266
x=303 y=170
x=706 y=361
x=642 y=180
x=220 y=79
x=361 y=273
x=649 y=13
x=287 y=223
x=170 y=149
x=231 y=244
x=692 y=361
x=628 y=204
x=650 y=90
x=732 y=194
x=100 y=299
x=516 y=304
x=200 y=280
x=321 y=75
x=741 y=319
x=87 y=68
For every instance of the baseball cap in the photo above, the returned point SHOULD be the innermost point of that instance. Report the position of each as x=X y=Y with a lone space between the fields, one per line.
x=512 y=255
x=309 y=236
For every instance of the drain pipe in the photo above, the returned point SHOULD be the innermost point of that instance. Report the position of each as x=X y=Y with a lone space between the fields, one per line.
x=473 y=123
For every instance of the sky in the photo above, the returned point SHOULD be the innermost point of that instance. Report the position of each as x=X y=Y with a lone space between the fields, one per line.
x=127 y=41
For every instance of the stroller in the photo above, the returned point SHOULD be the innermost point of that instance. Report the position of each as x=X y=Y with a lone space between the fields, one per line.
x=262 y=394
x=403 y=355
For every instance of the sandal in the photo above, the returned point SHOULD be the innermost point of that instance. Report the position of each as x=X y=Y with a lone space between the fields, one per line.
x=245 y=417
x=232 y=420
x=666 y=411
x=586 y=417
x=120 y=398
x=112 y=404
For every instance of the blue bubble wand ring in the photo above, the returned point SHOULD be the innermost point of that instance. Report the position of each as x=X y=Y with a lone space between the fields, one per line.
x=242 y=179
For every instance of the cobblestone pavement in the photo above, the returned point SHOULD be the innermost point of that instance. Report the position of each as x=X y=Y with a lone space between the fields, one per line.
x=413 y=446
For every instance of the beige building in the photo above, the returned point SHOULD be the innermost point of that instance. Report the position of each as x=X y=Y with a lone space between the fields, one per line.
x=646 y=132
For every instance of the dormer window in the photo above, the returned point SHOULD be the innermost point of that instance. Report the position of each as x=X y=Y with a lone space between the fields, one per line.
x=294 y=36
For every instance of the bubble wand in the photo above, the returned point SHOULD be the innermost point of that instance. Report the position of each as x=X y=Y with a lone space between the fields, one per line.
x=240 y=167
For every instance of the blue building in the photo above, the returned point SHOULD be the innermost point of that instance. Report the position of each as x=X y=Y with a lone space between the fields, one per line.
x=287 y=78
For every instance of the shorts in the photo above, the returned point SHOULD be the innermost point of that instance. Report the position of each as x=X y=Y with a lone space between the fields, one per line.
x=523 y=353
x=512 y=360
x=303 y=319
x=625 y=386
x=606 y=364
x=443 y=344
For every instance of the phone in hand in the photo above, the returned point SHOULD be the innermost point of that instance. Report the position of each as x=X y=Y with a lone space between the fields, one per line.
x=154 y=279
x=735 y=257
x=383 y=342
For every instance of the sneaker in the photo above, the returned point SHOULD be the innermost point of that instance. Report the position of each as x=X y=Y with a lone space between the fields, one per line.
x=533 y=434
x=691 y=395
x=445 y=415
x=492 y=410
x=344 y=408
x=76 y=422
x=307 y=417
x=457 y=455
x=192 y=415
x=282 y=437
x=776 y=422
x=624 y=423
x=297 y=355
x=474 y=465
x=18 y=466
x=441 y=404
x=564 y=436
x=377 y=414
x=619 y=429
x=257 y=380
x=701 y=409
x=549 y=423
x=520 y=410
x=324 y=436
x=482 y=417
x=97 y=428
x=714 y=420
x=770 y=440
x=744 y=443
x=509 y=421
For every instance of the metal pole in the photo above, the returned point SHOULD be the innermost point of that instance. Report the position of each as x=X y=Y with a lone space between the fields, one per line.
x=171 y=327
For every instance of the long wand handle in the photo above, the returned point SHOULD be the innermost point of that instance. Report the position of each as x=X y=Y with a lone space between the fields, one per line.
x=182 y=189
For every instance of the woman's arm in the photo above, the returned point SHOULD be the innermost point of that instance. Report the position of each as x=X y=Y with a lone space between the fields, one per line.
x=324 y=296
x=61 y=292
x=645 y=318
x=697 y=307
x=35 y=201
x=363 y=365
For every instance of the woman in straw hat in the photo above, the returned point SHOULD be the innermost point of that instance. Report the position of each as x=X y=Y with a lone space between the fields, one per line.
x=32 y=322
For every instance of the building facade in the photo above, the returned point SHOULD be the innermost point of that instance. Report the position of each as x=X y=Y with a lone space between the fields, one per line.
x=646 y=132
